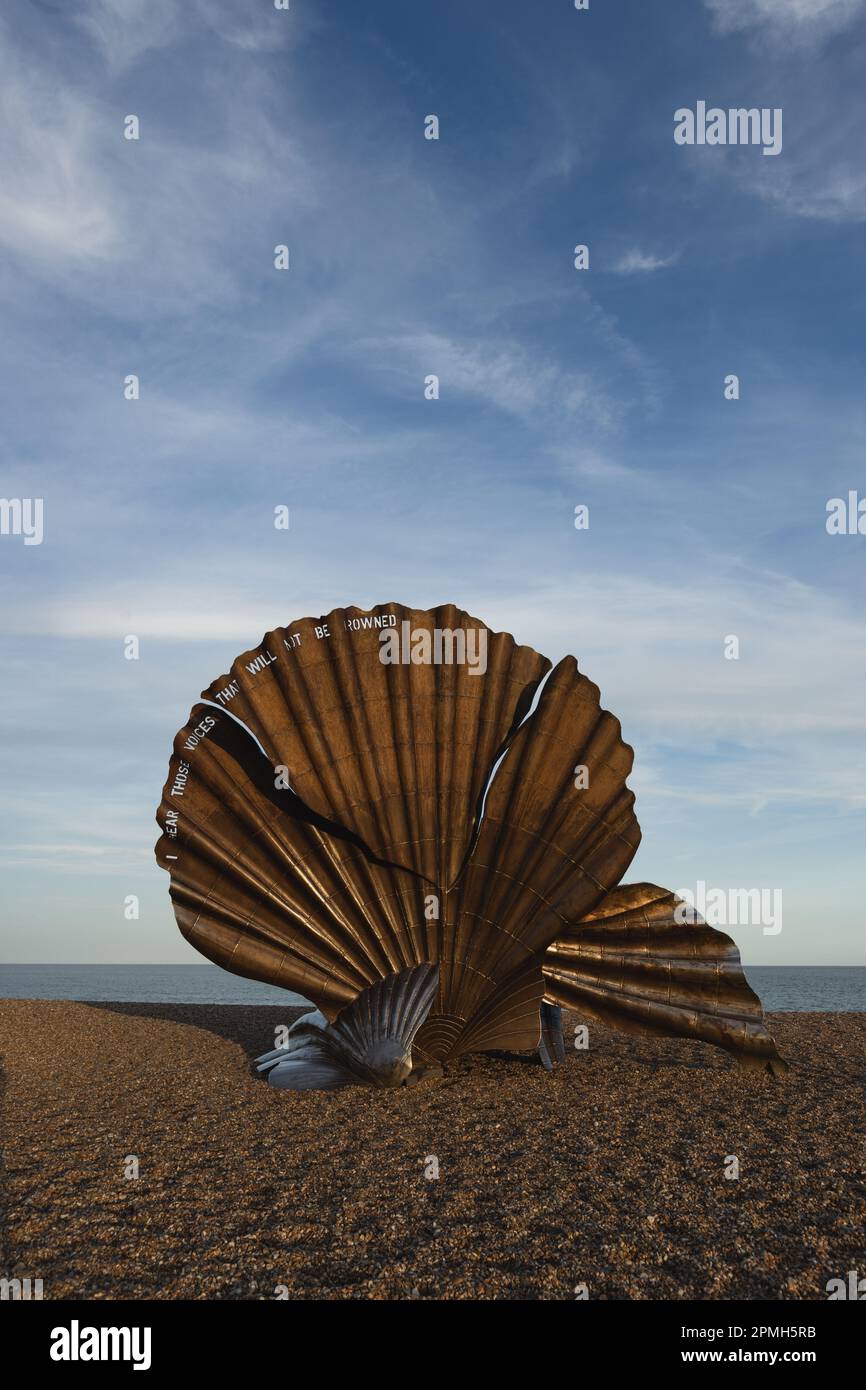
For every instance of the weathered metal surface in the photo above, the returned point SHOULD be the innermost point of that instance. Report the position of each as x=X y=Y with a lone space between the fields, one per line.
x=351 y=845
x=634 y=965
x=398 y=753
x=545 y=854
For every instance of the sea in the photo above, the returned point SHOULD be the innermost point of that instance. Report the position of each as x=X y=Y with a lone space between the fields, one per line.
x=795 y=988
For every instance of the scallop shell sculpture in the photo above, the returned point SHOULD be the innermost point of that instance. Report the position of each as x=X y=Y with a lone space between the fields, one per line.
x=378 y=809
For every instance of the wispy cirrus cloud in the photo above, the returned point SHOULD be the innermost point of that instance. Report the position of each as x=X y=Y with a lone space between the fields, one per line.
x=125 y=30
x=788 y=61
x=636 y=262
x=160 y=216
x=499 y=371
x=786 y=20
x=54 y=204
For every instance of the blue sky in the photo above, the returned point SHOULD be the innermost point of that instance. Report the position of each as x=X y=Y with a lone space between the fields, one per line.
x=558 y=387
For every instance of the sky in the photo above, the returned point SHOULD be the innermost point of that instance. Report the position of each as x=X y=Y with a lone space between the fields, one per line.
x=305 y=387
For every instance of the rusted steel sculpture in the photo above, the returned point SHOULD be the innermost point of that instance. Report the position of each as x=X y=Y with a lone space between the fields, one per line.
x=379 y=810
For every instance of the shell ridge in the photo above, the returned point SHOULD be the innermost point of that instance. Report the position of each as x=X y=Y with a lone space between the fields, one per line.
x=631 y=963
x=403 y=709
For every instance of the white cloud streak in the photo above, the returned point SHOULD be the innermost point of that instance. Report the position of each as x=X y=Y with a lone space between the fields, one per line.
x=637 y=262
x=786 y=19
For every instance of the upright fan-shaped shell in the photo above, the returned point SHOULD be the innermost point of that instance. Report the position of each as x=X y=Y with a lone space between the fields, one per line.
x=371 y=793
x=331 y=874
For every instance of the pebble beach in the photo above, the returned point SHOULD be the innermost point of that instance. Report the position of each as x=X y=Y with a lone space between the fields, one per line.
x=604 y=1179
